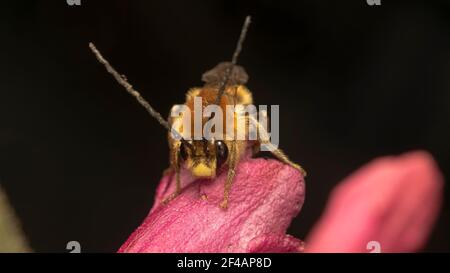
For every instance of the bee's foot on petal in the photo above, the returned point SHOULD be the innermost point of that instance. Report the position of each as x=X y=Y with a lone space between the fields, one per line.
x=224 y=204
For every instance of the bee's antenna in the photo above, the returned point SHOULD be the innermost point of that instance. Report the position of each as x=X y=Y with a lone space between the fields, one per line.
x=234 y=59
x=129 y=88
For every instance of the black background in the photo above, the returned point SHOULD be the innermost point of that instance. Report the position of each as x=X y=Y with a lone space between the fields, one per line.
x=80 y=159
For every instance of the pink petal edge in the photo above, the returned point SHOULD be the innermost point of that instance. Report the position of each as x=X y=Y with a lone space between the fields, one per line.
x=393 y=200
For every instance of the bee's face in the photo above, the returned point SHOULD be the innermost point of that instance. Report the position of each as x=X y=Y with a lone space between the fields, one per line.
x=203 y=158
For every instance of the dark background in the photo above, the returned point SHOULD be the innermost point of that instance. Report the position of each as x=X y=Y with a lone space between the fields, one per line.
x=80 y=159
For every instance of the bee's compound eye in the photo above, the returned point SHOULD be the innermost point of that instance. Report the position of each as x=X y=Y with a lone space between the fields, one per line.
x=221 y=152
x=182 y=152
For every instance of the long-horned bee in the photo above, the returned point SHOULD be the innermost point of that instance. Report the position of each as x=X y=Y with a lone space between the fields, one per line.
x=206 y=156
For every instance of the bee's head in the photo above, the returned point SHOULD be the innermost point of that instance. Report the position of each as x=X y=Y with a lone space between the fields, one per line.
x=202 y=157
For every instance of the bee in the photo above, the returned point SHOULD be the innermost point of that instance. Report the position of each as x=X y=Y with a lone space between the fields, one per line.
x=206 y=158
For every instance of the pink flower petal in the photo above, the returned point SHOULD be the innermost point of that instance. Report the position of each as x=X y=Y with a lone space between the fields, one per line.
x=394 y=201
x=265 y=196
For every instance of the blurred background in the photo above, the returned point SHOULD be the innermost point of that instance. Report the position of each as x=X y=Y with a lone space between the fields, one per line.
x=80 y=159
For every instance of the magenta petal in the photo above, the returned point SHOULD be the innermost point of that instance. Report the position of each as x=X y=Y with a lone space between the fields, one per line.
x=394 y=201
x=275 y=243
x=265 y=196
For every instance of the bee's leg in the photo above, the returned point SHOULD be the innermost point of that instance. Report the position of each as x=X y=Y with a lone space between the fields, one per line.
x=230 y=176
x=278 y=153
x=283 y=157
x=176 y=167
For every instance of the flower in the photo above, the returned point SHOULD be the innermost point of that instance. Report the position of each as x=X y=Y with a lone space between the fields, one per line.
x=393 y=201
x=264 y=198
